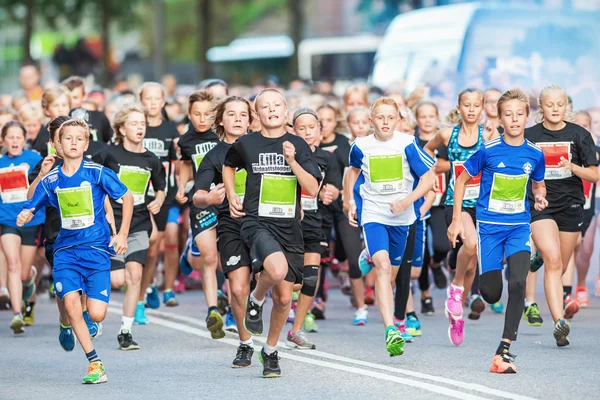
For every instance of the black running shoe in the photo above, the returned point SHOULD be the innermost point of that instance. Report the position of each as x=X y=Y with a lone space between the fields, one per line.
x=427 y=306
x=253 y=321
x=243 y=357
x=477 y=306
x=270 y=364
x=439 y=278
x=561 y=333
x=126 y=341
x=222 y=302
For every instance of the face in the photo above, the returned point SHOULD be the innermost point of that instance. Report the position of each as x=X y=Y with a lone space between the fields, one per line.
x=18 y=102
x=583 y=121
x=490 y=103
x=173 y=111
x=201 y=115
x=57 y=147
x=427 y=118
x=110 y=110
x=218 y=91
x=554 y=106
x=14 y=141
x=384 y=119
x=74 y=142
x=470 y=107
x=307 y=127
x=58 y=107
x=29 y=77
x=271 y=110
x=403 y=125
x=134 y=129
x=32 y=126
x=236 y=119
x=77 y=97
x=514 y=117
x=359 y=124
x=354 y=100
x=595 y=113
x=328 y=121
x=152 y=98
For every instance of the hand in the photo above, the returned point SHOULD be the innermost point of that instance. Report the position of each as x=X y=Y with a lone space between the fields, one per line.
x=454 y=230
x=24 y=217
x=217 y=195
x=236 y=207
x=289 y=152
x=436 y=185
x=180 y=196
x=397 y=207
x=566 y=164
x=489 y=128
x=154 y=207
x=540 y=203
x=352 y=214
x=119 y=242
x=325 y=195
x=47 y=164
x=423 y=211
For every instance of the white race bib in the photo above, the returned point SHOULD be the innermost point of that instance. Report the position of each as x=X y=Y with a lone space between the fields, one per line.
x=553 y=151
x=508 y=194
x=136 y=179
x=386 y=173
x=14 y=184
x=277 y=196
x=76 y=207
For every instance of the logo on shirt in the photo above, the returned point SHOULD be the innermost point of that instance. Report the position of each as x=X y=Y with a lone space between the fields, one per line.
x=527 y=168
x=51 y=179
x=233 y=260
x=501 y=165
x=203 y=148
x=270 y=162
x=156 y=146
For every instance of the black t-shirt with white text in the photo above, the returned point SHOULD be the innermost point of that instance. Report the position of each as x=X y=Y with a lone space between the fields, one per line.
x=159 y=140
x=195 y=145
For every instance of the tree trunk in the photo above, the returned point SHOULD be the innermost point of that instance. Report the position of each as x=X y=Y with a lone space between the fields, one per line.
x=205 y=17
x=28 y=31
x=296 y=15
x=105 y=29
x=158 y=39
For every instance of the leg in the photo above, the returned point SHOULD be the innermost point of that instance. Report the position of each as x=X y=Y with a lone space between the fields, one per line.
x=72 y=303
x=239 y=290
x=282 y=301
x=207 y=244
x=171 y=254
x=133 y=279
x=350 y=238
x=11 y=244
x=309 y=288
x=465 y=266
x=582 y=259
x=156 y=239
x=568 y=242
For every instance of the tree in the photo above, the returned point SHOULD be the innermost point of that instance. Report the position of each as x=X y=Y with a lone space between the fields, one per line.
x=296 y=15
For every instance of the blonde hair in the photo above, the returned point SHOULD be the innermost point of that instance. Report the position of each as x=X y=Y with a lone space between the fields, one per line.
x=415 y=98
x=513 y=94
x=356 y=110
x=74 y=122
x=30 y=111
x=453 y=117
x=200 y=96
x=384 y=101
x=407 y=115
x=10 y=111
x=147 y=85
x=361 y=90
x=267 y=90
x=550 y=88
x=51 y=94
x=121 y=118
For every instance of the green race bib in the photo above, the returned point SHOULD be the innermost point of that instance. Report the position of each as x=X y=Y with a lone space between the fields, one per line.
x=51 y=149
x=240 y=183
x=386 y=173
x=76 y=207
x=508 y=193
x=277 y=196
x=136 y=179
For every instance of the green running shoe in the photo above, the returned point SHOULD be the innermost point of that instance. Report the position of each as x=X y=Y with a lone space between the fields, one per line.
x=95 y=373
x=309 y=324
x=532 y=315
x=394 y=343
x=214 y=323
x=17 y=324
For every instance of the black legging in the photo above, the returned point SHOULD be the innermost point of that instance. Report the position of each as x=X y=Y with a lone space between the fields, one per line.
x=437 y=224
x=424 y=276
x=403 y=277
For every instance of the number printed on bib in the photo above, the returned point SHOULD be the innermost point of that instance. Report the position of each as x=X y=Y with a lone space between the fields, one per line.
x=14 y=184
x=508 y=193
x=552 y=155
x=277 y=196
x=472 y=189
x=386 y=173
x=240 y=183
x=76 y=207
x=136 y=179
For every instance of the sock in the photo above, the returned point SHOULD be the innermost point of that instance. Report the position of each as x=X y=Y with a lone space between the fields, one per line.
x=65 y=326
x=254 y=299
x=528 y=303
x=503 y=348
x=412 y=314
x=92 y=356
x=389 y=329
x=126 y=323
x=269 y=349
x=248 y=342
x=567 y=291
x=18 y=314
x=168 y=290
x=458 y=287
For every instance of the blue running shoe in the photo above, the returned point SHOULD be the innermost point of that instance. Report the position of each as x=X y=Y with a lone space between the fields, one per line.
x=66 y=338
x=92 y=326
x=184 y=265
x=152 y=297
x=413 y=326
x=408 y=338
x=169 y=299
x=361 y=316
x=497 y=307
x=230 y=325
x=140 y=314
x=29 y=287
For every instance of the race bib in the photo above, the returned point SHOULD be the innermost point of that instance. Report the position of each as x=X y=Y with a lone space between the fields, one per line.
x=277 y=196
x=552 y=154
x=472 y=189
x=311 y=203
x=51 y=149
x=508 y=193
x=14 y=184
x=136 y=179
x=440 y=189
x=240 y=183
x=151 y=192
x=587 y=193
x=386 y=173
x=76 y=207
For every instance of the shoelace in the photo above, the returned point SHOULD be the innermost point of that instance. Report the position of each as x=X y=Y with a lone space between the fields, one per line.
x=243 y=351
x=508 y=356
x=272 y=360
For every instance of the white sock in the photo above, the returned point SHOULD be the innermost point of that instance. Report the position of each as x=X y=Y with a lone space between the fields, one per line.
x=126 y=323
x=458 y=287
x=528 y=303
x=269 y=350
x=248 y=342
x=259 y=302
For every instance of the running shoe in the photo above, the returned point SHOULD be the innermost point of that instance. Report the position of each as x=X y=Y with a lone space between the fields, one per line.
x=365 y=263
x=230 y=325
x=361 y=316
x=270 y=364
x=582 y=296
x=92 y=326
x=140 y=314
x=394 y=343
x=477 y=306
x=427 y=306
x=346 y=288
x=309 y=324
x=95 y=373
x=532 y=315
x=413 y=326
x=66 y=338
x=291 y=316
x=184 y=265
x=4 y=299
x=222 y=302
x=29 y=286
x=169 y=299
x=503 y=364
x=536 y=262
x=561 y=333
x=214 y=323
x=456 y=330
x=179 y=284
x=571 y=307
x=152 y=297
x=126 y=341
x=335 y=267
x=319 y=309
x=439 y=278
x=17 y=325
x=498 y=307
x=369 y=296
x=243 y=357
x=51 y=290
x=299 y=340
x=29 y=314
x=253 y=320
x=401 y=326
x=454 y=302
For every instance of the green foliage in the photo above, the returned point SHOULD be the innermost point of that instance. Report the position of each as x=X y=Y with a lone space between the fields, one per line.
x=243 y=13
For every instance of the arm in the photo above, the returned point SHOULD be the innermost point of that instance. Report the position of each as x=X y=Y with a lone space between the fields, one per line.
x=349 y=203
x=456 y=227
x=442 y=166
x=45 y=167
x=39 y=200
x=127 y=214
x=441 y=138
x=425 y=185
x=110 y=216
x=428 y=203
x=588 y=173
x=185 y=175
x=306 y=180
x=539 y=193
x=155 y=205
x=235 y=205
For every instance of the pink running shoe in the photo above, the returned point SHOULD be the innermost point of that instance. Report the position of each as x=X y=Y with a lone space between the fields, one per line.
x=179 y=285
x=454 y=302
x=456 y=331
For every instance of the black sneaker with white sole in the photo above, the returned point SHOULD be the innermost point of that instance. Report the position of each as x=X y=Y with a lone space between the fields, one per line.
x=126 y=341
x=253 y=320
x=243 y=357
x=270 y=364
x=427 y=306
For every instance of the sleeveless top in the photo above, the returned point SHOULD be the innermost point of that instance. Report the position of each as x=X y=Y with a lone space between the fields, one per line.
x=457 y=155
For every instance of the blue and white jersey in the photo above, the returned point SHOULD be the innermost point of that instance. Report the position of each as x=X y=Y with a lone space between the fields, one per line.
x=80 y=201
x=506 y=171
x=390 y=171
